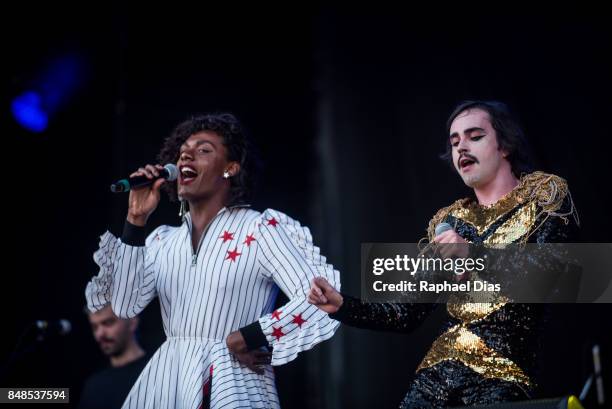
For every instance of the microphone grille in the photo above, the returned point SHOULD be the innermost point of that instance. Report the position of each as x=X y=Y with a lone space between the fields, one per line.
x=442 y=227
x=172 y=172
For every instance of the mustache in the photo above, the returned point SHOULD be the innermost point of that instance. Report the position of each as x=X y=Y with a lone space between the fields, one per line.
x=466 y=156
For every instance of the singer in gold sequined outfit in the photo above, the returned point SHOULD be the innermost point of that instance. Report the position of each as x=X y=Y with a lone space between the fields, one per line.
x=486 y=352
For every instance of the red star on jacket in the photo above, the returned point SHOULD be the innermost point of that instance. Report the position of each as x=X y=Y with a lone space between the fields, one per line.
x=277 y=332
x=249 y=238
x=227 y=236
x=272 y=222
x=231 y=255
x=276 y=314
x=298 y=320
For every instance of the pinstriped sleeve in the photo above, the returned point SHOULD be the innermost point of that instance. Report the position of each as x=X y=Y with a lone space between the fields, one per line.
x=126 y=278
x=289 y=257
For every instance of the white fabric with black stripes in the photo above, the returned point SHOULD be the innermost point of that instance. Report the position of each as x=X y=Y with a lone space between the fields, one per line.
x=244 y=257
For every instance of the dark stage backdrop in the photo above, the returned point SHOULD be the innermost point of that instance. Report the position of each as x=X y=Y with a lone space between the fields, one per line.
x=348 y=112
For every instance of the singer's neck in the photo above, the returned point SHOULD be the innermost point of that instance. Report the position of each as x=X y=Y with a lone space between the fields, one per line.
x=130 y=354
x=202 y=212
x=496 y=189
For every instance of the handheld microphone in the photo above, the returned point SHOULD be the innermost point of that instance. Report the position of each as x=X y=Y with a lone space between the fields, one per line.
x=442 y=227
x=170 y=173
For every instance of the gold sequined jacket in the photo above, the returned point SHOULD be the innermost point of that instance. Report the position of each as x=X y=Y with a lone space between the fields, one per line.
x=495 y=339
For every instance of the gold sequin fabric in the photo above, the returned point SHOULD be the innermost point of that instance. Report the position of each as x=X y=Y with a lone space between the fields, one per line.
x=487 y=335
x=459 y=343
x=487 y=348
x=537 y=194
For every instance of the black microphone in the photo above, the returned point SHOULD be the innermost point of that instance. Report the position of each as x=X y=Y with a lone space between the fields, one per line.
x=170 y=173
x=61 y=327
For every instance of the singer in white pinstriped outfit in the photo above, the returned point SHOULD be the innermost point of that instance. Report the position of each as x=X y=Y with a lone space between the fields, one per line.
x=216 y=275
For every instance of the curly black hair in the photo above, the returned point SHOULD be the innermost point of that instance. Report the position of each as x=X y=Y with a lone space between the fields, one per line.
x=239 y=148
x=510 y=135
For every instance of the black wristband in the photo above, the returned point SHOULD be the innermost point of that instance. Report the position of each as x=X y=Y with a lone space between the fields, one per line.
x=133 y=235
x=254 y=336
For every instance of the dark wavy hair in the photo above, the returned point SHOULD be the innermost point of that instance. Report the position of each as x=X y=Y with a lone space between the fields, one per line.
x=239 y=148
x=510 y=135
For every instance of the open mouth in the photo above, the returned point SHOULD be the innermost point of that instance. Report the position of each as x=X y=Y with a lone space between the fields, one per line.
x=188 y=175
x=466 y=161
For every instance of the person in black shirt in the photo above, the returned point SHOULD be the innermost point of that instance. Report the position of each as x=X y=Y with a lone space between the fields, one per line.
x=116 y=337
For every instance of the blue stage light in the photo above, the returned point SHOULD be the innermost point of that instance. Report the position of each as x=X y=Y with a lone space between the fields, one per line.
x=28 y=112
x=49 y=91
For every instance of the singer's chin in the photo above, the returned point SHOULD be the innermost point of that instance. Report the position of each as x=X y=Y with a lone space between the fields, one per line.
x=185 y=193
x=182 y=190
x=471 y=180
